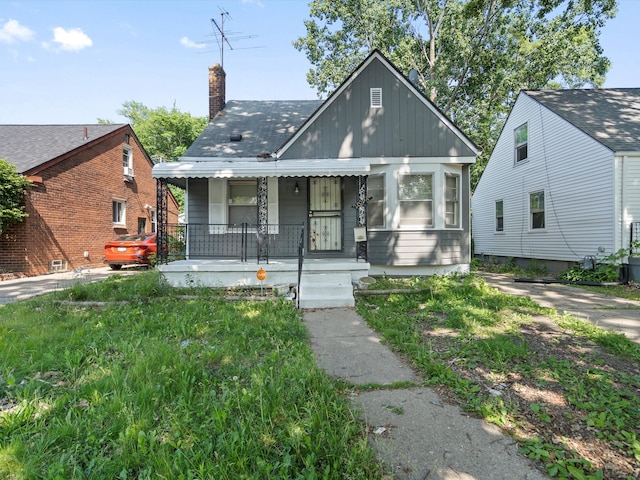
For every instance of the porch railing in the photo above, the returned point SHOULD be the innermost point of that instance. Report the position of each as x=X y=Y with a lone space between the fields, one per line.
x=242 y=242
x=300 y=262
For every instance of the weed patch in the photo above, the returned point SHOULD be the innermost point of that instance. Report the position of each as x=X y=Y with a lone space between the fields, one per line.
x=567 y=391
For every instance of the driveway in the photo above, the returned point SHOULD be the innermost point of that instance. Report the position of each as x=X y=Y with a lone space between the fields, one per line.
x=23 y=288
x=611 y=313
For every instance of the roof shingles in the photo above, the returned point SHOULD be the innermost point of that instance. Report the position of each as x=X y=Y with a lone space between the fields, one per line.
x=264 y=125
x=28 y=146
x=611 y=116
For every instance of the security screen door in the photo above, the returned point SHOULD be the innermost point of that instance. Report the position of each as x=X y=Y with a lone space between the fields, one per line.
x=325 y=214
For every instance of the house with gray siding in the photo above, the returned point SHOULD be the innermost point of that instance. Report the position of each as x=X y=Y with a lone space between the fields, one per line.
x=563 y=181
x=373 y=180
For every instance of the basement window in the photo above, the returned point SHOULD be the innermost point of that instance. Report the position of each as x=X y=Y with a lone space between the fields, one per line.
x=376 y=97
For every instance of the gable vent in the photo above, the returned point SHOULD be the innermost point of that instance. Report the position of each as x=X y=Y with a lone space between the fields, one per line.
x=376 y=97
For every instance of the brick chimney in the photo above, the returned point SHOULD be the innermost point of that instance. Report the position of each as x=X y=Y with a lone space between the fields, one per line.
x=217 y=86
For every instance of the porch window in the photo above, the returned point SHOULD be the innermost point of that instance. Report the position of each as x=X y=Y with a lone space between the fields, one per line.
x=118 y=213
x=375 y=206
x=499 y=215
x=234 y=201
x=452 y=200
x=242 y=200
x=521 y=137
x=415 y=198
x=536 y=208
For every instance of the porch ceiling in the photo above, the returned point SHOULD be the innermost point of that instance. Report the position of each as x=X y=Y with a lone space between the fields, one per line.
x=332 y=167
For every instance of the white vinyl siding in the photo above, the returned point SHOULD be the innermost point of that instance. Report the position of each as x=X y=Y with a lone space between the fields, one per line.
x=627 y=199
x=575 y=172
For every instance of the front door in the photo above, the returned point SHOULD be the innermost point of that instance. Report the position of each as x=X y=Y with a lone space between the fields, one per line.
x=325 y=214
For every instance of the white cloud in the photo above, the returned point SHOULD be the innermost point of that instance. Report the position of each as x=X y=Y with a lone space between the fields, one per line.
x=12 y=32
x=190 y=43
x=69 y=40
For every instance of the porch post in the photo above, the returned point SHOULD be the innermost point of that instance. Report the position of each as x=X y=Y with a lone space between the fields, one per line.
x=263 y=219
x=361 y=221
x=162 y=212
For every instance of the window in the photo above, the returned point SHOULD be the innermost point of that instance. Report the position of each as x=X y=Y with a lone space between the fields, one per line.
x=118 y=212
x=415 y=198
x=536 y=207
x=451 y=200
x=376 y=97
x=521 y=141
x=127 y=160
x=242 y=200
x=499 y=216
x=375 y=206
x=154 y=221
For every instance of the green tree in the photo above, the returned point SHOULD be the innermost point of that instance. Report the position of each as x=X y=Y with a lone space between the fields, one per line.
x=471 y=57
x=165 y=134
x=12 y=187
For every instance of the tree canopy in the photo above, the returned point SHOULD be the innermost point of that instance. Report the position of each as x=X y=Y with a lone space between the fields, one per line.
x=165 y=133
x=12 y=187
x=471 y=57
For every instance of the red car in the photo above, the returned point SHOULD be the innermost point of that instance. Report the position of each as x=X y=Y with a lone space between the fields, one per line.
x=130 y=250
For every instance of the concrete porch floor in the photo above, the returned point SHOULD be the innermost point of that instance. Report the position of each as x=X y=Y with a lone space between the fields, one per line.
x=234 y=273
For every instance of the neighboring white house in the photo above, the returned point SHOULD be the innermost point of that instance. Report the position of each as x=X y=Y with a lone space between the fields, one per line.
x=563 y=182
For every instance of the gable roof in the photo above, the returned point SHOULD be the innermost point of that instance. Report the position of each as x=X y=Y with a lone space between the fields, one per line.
x=611 y=116
x=464 y=147
x=264 y=126
x=29 y=146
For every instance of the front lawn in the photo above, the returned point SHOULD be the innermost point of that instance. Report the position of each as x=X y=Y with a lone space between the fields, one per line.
x=567 y=391
x=125 y=379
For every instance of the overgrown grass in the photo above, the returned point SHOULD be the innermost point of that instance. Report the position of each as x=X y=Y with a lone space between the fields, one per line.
x=162 y=387
x=466 y=337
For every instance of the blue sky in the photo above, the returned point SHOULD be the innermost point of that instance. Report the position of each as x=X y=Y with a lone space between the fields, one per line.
x=74 y=61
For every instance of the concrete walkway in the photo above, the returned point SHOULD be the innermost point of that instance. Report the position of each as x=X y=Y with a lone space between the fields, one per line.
x=412 y=430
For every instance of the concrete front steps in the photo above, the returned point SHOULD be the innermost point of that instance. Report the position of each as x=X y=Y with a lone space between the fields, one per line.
x=326 y=290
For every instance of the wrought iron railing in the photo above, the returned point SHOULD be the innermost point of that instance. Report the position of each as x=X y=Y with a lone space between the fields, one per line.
x=300 y=262
x=242 y=242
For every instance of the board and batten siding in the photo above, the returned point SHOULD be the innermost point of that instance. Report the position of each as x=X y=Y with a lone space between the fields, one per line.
x=577 y=176
x=403 y=127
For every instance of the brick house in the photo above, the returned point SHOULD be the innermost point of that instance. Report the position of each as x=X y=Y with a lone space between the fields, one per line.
x=90 y=184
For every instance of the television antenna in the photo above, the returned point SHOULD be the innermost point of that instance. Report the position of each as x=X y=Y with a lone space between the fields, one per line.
x=223 y=37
